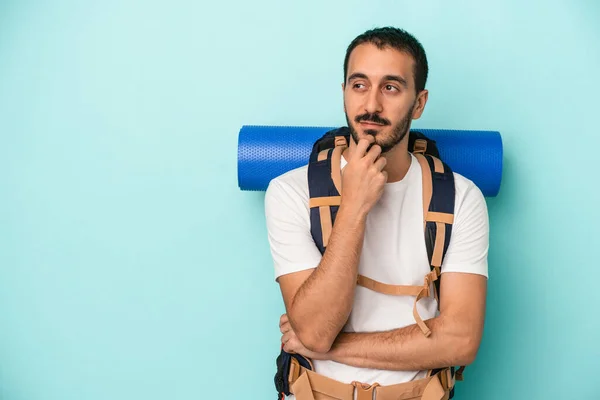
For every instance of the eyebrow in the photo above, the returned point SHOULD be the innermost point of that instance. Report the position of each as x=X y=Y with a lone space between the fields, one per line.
x=396 y=78
x=357 y=75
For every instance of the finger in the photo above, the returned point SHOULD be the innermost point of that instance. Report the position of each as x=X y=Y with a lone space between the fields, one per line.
x=290 y=345
x=361 y=147
x=285 y=327
x=283 y=319
x=381 y=163
x=385 y=175
x=288 y=349
x=286 y=337
x=373 y=153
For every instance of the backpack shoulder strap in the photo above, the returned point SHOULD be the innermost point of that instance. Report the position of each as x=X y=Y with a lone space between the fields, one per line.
x=438 y=210
x=438 y=218
x=325 y=184
x=438 y=214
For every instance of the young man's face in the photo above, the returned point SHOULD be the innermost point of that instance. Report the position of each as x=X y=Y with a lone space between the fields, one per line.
x=379 y=94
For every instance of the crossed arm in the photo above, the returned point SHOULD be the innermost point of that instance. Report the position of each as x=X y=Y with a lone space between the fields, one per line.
x=455 y=338
x=313 y=329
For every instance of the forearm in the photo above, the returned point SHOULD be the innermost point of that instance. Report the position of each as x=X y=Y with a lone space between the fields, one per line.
x=323 y=303
x=450 y=344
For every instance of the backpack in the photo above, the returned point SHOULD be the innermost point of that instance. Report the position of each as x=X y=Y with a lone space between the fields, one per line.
x=324 y=182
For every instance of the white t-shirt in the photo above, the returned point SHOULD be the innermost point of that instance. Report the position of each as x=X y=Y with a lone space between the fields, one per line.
x=393 y=252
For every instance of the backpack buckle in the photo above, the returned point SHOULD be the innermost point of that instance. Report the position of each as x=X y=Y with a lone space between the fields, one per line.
x=446 y=378
x=429 y=279
x=364 y=390
x=340 y=141
x=420 y=146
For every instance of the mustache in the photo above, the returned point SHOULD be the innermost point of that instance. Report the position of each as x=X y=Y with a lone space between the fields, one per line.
x=368 y=117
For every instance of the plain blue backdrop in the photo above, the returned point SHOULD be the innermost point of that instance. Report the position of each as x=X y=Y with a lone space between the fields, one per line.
x=132 y=266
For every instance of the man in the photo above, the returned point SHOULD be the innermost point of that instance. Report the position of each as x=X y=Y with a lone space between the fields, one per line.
x=351 y=333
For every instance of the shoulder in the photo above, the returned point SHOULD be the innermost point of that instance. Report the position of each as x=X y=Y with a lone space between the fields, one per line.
x=469 y=200
x=468 y=249
x=288 y=190
x=288 y=223
x=465 y=186
x=466 y=189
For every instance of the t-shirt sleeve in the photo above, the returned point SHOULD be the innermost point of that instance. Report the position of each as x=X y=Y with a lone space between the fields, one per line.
x=469 y=244
x=288 y=226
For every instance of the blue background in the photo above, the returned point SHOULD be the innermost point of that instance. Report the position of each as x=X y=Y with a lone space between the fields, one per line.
x=132 y=266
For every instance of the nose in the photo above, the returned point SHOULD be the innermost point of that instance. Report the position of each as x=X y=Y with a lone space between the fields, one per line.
x=373 y=102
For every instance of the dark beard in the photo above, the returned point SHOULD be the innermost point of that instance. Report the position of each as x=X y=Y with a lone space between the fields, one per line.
x=399 y=130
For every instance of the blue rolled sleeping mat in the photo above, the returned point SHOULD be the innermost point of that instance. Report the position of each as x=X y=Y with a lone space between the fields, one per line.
x=265 y=152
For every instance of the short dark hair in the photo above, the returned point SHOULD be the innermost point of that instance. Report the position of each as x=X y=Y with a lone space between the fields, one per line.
x=397 y=39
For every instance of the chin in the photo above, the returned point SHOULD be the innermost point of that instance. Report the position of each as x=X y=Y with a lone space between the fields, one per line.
x=371 y=132
x=363 y=132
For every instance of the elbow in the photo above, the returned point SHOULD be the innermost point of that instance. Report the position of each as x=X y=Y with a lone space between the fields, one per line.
x=467 y=350
x=319 y=347
x=463 y=338
x=314 y=342
x=313 y=334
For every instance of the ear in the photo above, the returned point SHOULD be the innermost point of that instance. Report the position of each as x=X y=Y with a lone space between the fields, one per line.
x=420 y=104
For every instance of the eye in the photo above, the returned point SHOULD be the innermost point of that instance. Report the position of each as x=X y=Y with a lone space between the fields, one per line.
x=358 y=86
x=391 y=88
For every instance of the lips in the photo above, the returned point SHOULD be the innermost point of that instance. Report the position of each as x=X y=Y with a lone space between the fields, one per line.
x=370 y=124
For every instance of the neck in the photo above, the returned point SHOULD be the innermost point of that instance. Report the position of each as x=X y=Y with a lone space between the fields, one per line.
x=398 y=162
x=398 y=159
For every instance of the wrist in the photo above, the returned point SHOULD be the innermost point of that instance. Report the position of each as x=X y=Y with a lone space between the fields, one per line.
x=351 y=214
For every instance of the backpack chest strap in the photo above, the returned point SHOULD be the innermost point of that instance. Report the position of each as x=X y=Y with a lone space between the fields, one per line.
x=404 y=290
x=384 y=288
